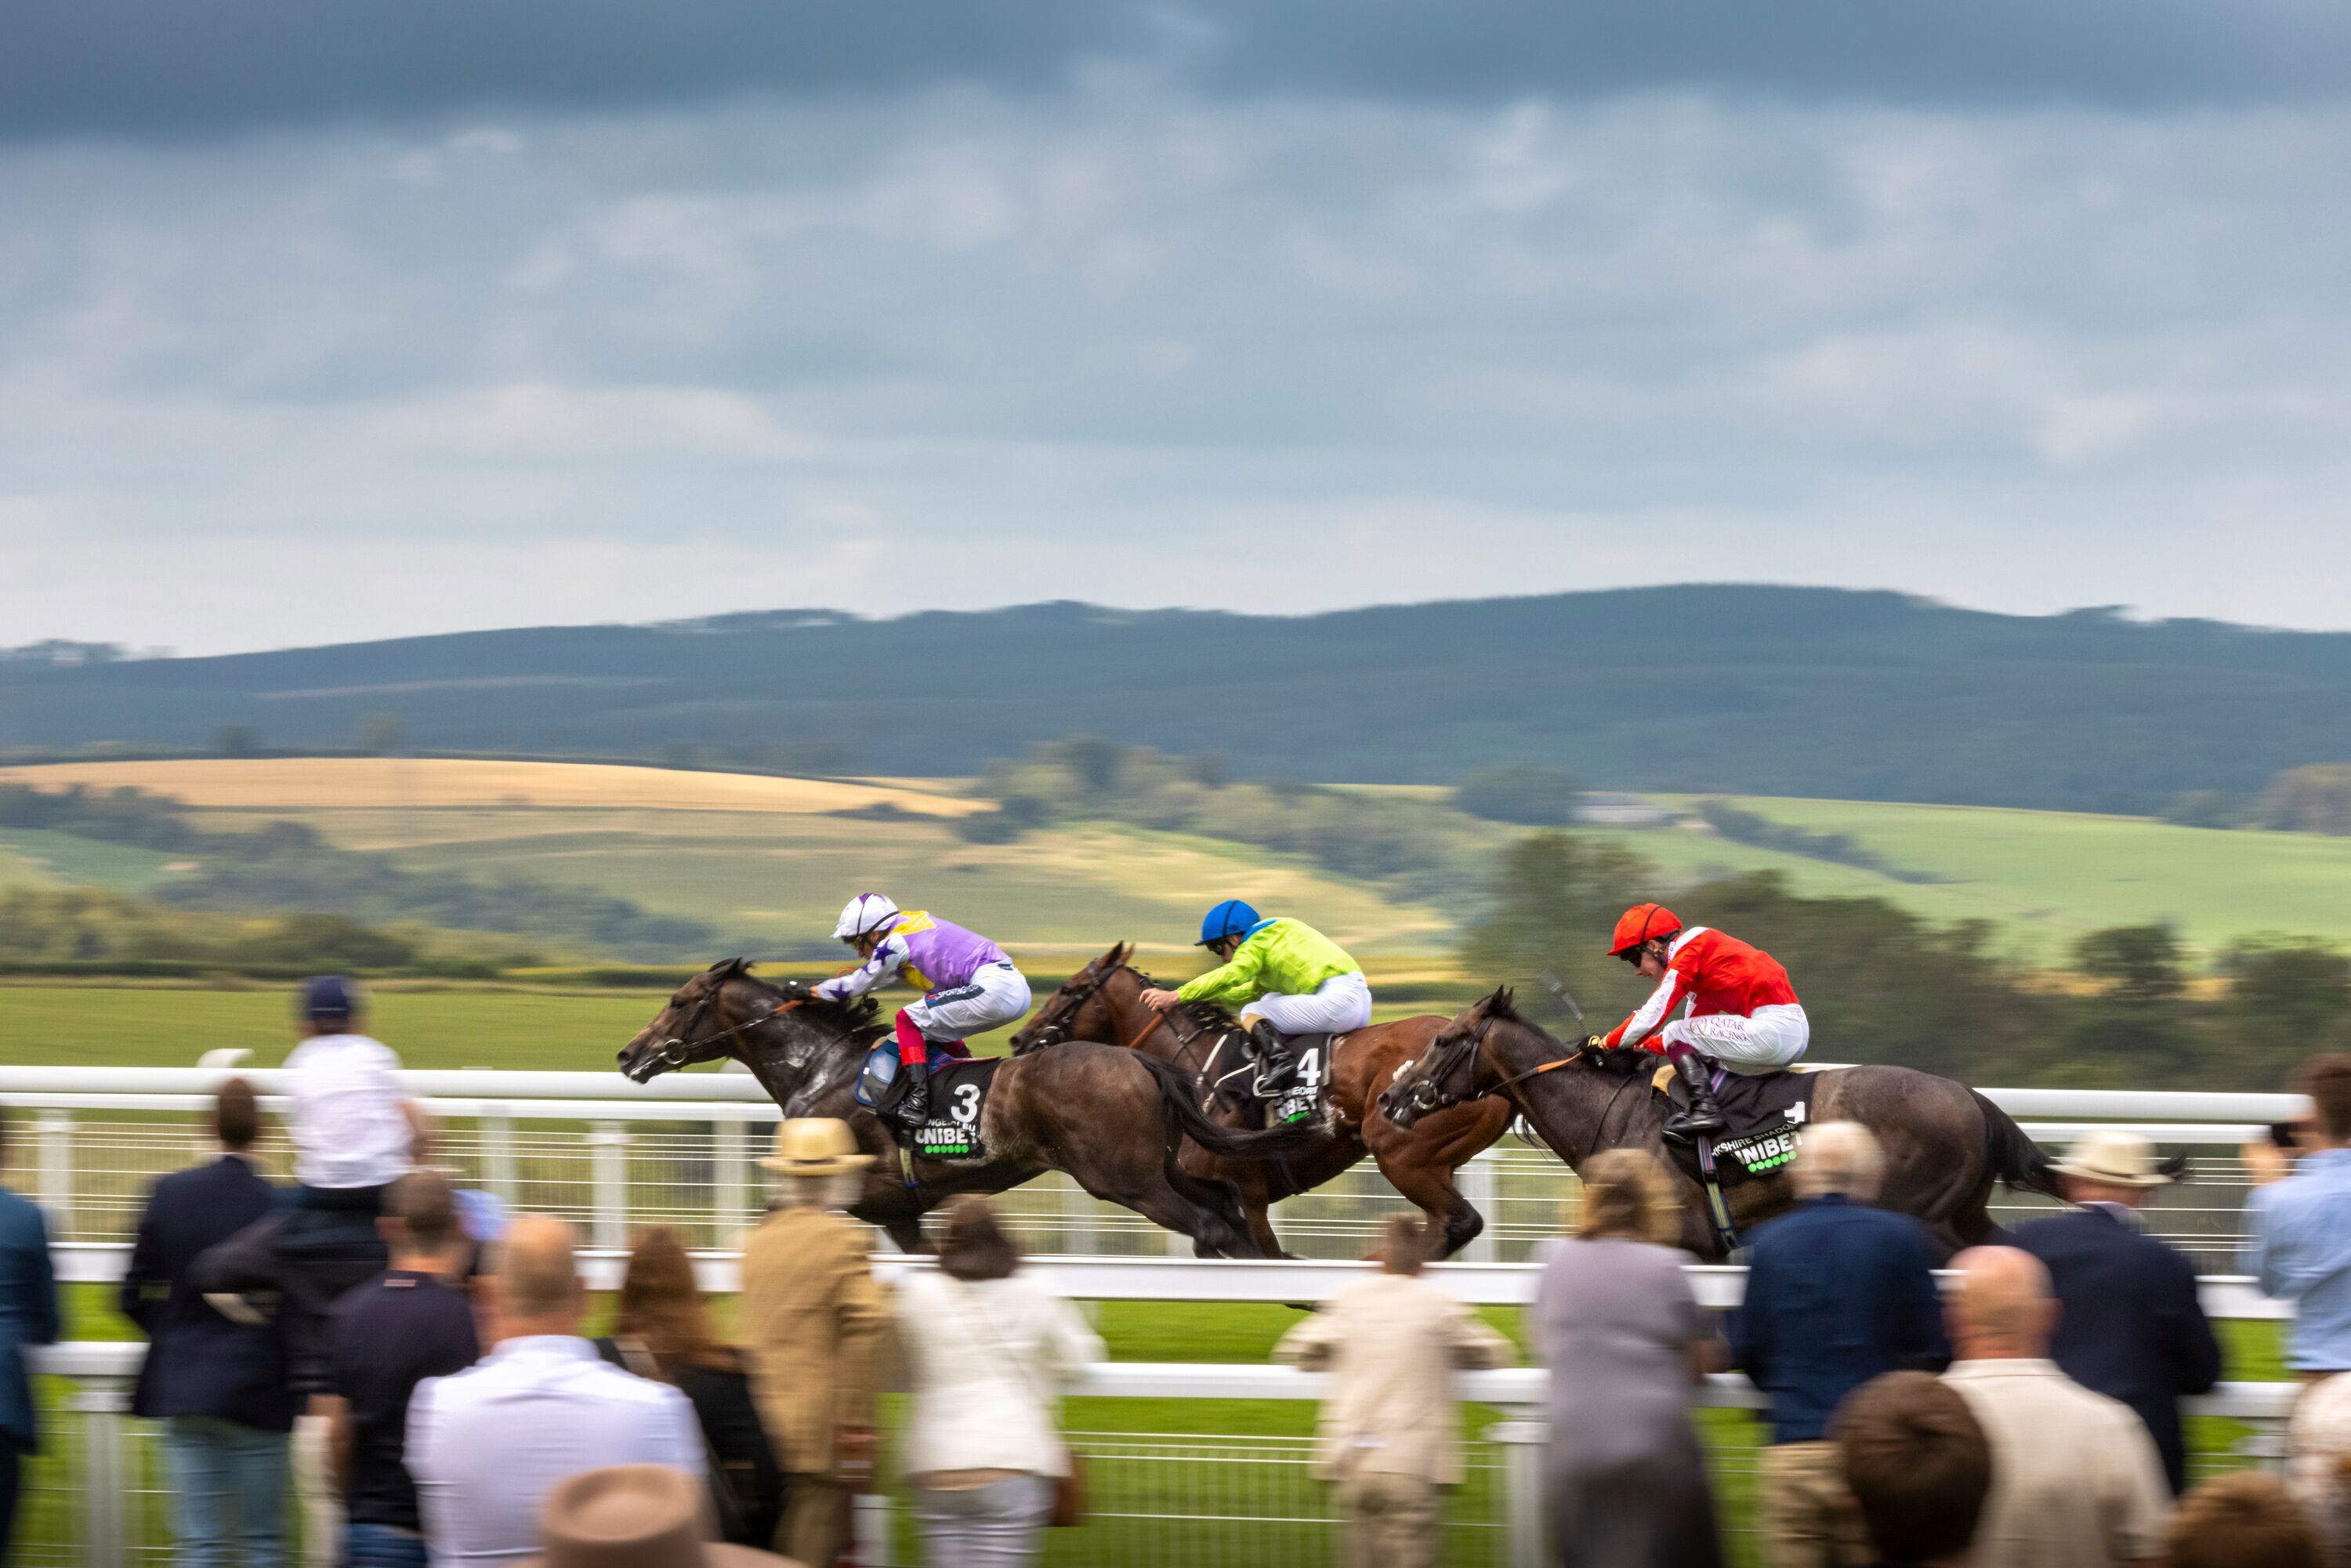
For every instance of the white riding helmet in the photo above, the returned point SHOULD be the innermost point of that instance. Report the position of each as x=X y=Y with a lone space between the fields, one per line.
x=866 y=912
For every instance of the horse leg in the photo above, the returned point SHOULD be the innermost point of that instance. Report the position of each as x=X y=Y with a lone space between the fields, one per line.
x=1420 y=1163
x=1226 y=1201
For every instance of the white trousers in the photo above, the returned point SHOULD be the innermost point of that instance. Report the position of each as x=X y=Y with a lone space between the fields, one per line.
x=994 y=996
x=1341 y=1003
x=1774 y=1038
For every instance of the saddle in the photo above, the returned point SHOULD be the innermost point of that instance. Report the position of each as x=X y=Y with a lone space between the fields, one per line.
x=960 y=1089
x=1303 y=1097
x=1766 y=1113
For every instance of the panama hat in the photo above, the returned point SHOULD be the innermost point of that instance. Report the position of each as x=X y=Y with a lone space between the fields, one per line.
x=2116 y=1158
x=816 y=1146
x=633 y=1516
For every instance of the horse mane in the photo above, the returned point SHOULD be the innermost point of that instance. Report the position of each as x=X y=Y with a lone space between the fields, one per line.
x=1617 y=1062
x=857 y=1018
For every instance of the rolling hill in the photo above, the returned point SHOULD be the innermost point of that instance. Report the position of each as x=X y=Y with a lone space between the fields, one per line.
x=1730 y=690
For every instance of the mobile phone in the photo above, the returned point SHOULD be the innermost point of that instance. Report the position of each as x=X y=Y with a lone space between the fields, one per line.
x=2284 y=1134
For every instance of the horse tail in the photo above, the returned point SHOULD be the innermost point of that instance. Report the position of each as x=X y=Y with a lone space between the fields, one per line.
x=2019 y=1163
x=1178 y=1091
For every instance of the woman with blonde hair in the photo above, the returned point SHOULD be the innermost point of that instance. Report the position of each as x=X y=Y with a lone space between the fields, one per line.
x=1615 y=1321
x=989 y=1352
x=662 y=1330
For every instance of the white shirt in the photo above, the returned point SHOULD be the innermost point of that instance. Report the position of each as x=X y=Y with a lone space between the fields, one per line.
x=347 y=1126
x=987 y=1360
x=485 y=1445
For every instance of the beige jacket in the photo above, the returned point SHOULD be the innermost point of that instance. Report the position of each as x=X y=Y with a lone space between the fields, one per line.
x=817 y=1326
x=2075 y=1477
x=1392 y=1345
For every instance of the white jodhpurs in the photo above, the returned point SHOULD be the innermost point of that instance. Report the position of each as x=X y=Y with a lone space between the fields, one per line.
x=1341 y=1003
x=994 y=996
x=1774 y=1038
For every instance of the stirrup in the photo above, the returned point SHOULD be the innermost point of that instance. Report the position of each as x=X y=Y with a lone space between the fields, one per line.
x=1696 y=1122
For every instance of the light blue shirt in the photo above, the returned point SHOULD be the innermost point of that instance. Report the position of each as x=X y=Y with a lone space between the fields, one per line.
x=2298 y=1247
x=486 y=1443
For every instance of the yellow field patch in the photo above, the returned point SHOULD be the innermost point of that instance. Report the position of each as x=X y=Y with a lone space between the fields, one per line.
x=404 y=783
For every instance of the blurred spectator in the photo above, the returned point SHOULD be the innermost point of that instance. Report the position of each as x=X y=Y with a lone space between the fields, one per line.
x=663 y=1332
x=2076 y=1481
x=219 y=1385
x=486 y=1445
x=817 y=1326
x=2298 y=1221
x=633 y=1516
x=1615 y=1321
x=2242 y=1521
x=1837 y=1293
x=1391 y=1427
x=2318 y=1441
x=28 y=1315
x=2130 y=1326
x=409 y=1323
x=1915 y=1461
x=989 y=1352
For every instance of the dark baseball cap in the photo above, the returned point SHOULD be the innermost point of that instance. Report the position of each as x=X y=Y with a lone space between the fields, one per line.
x=327 y=998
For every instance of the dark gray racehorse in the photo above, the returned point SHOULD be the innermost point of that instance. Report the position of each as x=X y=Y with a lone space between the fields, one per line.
x=1944 y=1143
x=1113 y=1119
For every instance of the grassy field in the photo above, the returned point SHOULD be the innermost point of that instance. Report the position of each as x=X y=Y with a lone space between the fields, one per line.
x=2046 y=874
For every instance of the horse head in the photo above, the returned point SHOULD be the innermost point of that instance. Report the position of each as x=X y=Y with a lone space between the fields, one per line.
x=690 y=1027
x=1448 y=1072
x=1078 y=1009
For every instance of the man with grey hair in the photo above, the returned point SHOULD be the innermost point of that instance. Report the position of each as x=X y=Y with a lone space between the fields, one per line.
x=1837 y=1293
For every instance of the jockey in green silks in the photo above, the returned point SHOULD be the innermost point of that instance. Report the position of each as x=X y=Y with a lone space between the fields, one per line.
x=1287 y=977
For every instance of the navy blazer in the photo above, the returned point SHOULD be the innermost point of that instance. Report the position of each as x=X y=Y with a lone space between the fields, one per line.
x=28 y=1312
x=2132 y=1327
x=1837 y=1293
x=200 y=1362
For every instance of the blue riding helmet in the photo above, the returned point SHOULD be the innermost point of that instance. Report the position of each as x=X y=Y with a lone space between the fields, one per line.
x=1231 y=918
x=327 y=999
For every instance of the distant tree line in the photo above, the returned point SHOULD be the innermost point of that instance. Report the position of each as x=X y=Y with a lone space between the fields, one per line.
x=66 y=929
x=2118 y=1007
x=1416 y=848
x=1746 y=827
x=284 y=864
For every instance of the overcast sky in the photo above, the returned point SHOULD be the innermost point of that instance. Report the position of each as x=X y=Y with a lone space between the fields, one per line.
x=323 y=322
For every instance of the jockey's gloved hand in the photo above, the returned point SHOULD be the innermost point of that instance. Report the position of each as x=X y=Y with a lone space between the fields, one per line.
x=797 y=991
x=1592 y=1042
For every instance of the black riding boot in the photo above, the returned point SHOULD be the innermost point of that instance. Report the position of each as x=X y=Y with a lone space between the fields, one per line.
x=1276 y=1068
x=1704 y=1117
x=915 y=1106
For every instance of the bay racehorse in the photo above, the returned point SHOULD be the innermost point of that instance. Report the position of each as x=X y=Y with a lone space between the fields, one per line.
x=1112 y=1119
x=1103 y=1001
x=1944 y=1143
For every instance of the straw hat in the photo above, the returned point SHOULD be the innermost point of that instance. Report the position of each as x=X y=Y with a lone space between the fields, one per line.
x=2116 y=1158
x=816 y=1146
x=633 y=1516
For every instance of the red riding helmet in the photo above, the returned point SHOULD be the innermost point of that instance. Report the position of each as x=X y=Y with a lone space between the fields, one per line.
x=1640 y=923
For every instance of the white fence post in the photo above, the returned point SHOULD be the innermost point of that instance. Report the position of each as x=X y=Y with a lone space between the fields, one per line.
x=498 y=1168
x=105 y=1500
x=53 y=1137
x=869 y=1524
x=1522 y=1435
x=608 y=1148
x=732 y=1205
x=1480 y=1183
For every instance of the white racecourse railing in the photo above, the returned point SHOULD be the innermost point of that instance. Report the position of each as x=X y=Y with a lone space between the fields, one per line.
x=615 y=1155
x=1283 y=1514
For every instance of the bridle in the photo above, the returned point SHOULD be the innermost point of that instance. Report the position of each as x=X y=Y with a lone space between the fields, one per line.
x=1429 y=1092
x=678 y=1050
x=1074 y=994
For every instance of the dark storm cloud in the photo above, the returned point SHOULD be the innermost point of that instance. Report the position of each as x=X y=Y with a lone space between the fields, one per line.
x=151 y=68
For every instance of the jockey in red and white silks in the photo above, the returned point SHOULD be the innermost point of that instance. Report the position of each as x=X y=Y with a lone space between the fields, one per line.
x=1738 y=1009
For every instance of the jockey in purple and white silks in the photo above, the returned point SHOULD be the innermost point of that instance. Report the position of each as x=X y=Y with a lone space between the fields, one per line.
x=969 y=986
